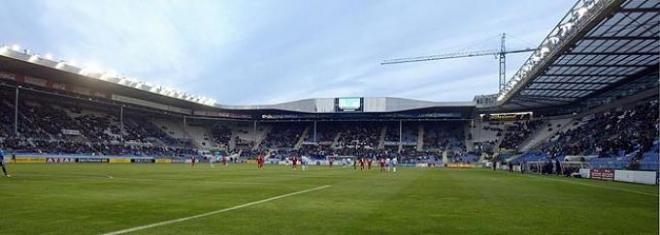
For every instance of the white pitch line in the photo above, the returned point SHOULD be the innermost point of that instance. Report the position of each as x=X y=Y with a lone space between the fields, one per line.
x=66 y=176
x=214 y=212
x=188 y=179
x=572 y=181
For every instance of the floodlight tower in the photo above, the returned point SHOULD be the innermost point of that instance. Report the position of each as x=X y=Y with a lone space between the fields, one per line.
x=499 y=54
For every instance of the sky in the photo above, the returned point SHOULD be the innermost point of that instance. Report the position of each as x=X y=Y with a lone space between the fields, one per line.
x=264 y=52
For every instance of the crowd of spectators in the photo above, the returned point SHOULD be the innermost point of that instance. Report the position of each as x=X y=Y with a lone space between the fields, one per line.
x=443 y=135
x=50 y=129
x=408 y=133
x=365 y=136
x=5 y=119
x=283 y=135
x=518 y=131
x=221 y=134
x=614 y=132
x=325 y=133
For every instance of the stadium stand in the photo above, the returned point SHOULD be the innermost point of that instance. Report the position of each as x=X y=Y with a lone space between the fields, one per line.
x=283 y=135
x=362 y=136
x=618 y=131
x=519 y=131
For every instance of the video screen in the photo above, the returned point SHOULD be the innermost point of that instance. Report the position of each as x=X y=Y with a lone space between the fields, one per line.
x=348 y=104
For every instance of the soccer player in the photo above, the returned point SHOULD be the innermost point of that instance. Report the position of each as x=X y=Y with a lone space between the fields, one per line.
x=393 y=162
x=361 y=164
x=369 y=163
x=2 y=163
x=224 y=160
x=294 y=162
x=303 y=163
x=263 y=160
x=211 y=158
x=387 y=164
x=260 y=161
x=192 y=163
x=330 y=162
x=355 y=164
x=382 y=164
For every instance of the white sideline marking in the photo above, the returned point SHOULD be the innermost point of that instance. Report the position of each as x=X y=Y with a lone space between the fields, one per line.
x=214 y=212
x=591 y=185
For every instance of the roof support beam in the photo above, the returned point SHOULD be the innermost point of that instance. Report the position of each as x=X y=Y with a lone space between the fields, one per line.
x=641 y=9
x=640 y=74
x=543 y=102
x=601 y=65
x=582 y=75
x=555 y=98
x=576 y=83
x=558 y=89
x=611 y=53
x=621 y=38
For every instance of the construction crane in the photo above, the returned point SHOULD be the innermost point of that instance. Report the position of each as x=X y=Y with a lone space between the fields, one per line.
x=499 y=54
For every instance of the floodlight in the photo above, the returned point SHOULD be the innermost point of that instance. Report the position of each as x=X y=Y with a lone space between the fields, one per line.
x=60 y=65
x=33 y=58
x=581 y=11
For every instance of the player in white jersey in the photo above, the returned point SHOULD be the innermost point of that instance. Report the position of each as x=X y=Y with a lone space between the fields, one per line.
x=393 y=163
x=387 y=163
x=211 y=160
x=2 y=163
x=303 y=163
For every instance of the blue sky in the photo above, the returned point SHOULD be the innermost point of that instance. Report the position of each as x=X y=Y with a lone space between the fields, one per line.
x=257 y=52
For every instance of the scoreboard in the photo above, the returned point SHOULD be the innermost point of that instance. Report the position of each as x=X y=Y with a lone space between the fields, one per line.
x=349 y=104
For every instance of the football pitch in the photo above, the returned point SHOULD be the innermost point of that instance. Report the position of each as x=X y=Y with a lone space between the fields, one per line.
x=240 y=199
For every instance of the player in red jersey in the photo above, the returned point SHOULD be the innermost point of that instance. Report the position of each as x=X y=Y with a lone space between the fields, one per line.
x=260 y=161
x=382 y=164
x=224 y=160
x=294 y=162
x=263 y=160
x=369 y=163
x=361 y=164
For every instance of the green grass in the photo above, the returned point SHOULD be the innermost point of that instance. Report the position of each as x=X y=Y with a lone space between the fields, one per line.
x=81 y=199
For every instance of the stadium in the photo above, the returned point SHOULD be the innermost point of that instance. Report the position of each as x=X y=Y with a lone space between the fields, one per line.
x=569 y=145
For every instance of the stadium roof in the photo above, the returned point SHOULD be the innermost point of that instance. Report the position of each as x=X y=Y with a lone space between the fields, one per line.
x=598 y=46
x=93 y=72
x=19 y=63
x=371 y=105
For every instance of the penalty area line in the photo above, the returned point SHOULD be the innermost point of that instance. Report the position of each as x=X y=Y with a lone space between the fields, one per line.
x=214 y=212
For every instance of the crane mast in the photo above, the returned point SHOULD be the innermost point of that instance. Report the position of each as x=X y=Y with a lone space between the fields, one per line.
x=502 y=58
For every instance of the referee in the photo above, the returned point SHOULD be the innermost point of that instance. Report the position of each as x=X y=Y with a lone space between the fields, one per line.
x=2 y=163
